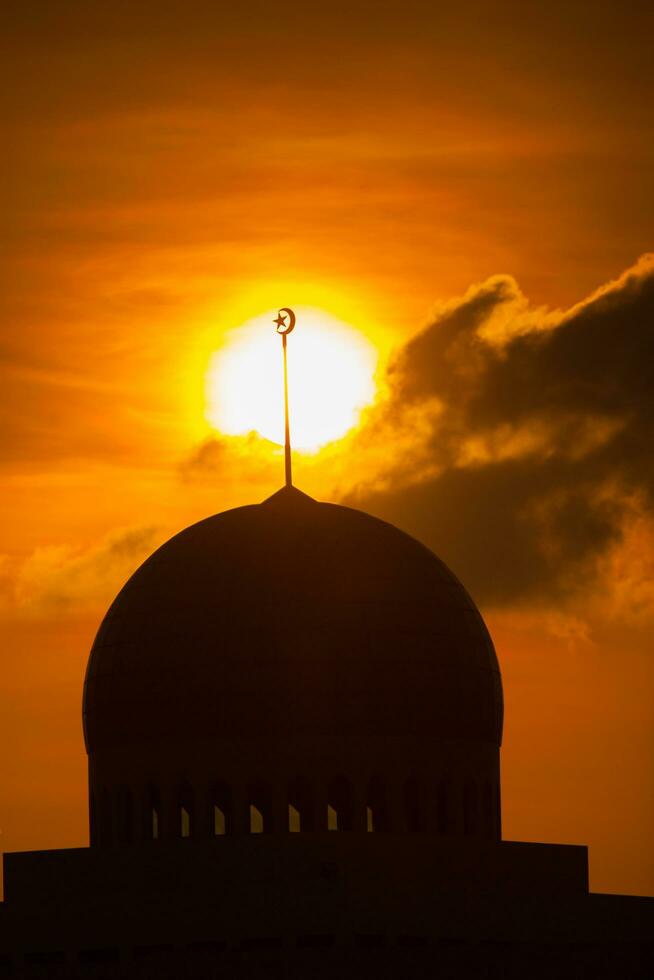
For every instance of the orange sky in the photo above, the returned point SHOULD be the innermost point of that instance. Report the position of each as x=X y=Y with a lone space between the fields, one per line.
x=173 y=170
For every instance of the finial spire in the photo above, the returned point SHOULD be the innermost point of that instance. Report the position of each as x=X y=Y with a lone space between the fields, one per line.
x=285 y=322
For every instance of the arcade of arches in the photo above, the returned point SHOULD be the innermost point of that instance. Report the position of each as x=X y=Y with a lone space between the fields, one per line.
x=413 y=807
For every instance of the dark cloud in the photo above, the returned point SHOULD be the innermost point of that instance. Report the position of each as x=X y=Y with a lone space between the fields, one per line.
x=536 y=436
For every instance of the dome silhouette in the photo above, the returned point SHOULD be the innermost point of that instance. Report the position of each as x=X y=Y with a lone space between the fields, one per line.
x=290 y=618
x=292 y=657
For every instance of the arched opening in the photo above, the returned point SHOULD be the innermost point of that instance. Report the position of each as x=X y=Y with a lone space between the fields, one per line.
x=124 y=815
x=445 y=818
x=294 y=820
x=219 y=821
x=415 y=809
x=221 y=809
x=377 y=809
x=256 y=820
x=300 y=807
x=186 y=811
x=261 y=810
x=153 y=815
x=488 y=821
x=340 y=810
x=470 y=809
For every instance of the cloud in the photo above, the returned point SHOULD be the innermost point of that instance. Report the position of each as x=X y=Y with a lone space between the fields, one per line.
x=251 y=457
x=58 y=579
x=521 y=438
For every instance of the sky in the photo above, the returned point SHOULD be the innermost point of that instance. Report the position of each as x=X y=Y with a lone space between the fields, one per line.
x=468 y=186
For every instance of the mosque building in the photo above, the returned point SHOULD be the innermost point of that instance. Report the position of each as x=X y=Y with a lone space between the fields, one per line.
x=293 y=717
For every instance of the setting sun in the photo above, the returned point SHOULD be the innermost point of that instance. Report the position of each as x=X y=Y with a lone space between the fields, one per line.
x=331 y=378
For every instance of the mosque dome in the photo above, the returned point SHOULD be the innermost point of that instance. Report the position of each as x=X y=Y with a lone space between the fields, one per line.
x=291 y=617
x=292 y=665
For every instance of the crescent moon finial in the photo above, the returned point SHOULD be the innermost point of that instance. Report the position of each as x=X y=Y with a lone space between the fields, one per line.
x=283 y=315
x=285 y=322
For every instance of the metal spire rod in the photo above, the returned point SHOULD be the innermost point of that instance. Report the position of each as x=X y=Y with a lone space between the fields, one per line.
x=284 y=329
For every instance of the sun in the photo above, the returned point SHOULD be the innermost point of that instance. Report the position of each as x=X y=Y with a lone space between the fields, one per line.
x=331 y=369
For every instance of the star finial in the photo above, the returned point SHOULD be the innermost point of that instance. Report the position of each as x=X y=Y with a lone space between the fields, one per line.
x=282 y=316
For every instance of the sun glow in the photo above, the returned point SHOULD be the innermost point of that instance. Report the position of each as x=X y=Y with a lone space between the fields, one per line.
x=331 y=378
